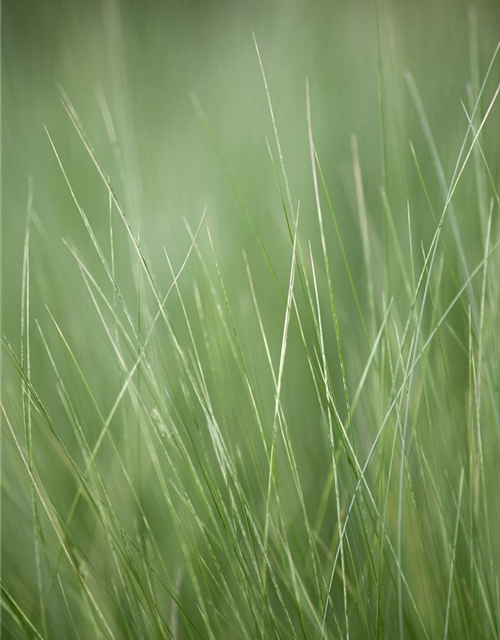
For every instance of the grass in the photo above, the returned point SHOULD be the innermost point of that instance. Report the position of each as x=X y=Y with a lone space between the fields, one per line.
x=229 y=411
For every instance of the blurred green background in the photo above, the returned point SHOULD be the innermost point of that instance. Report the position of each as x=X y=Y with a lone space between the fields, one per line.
x=149 y=68
x=147 y=60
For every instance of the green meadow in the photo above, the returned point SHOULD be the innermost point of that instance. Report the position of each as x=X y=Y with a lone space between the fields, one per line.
x=250 y=319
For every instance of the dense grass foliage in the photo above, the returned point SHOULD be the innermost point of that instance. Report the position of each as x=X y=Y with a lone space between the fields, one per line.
x=250 y=320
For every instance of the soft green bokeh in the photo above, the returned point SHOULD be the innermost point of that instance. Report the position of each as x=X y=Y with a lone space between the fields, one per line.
x=153 y=67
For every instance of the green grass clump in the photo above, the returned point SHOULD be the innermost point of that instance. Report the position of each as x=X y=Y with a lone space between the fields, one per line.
x=227 y=411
